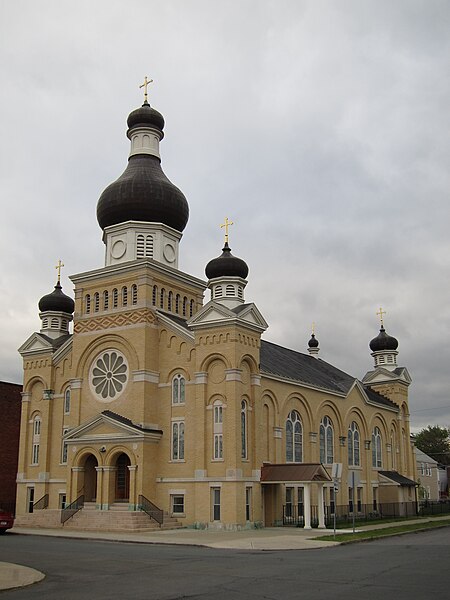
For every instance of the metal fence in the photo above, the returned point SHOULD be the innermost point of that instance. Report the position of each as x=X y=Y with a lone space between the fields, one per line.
x=293 y=515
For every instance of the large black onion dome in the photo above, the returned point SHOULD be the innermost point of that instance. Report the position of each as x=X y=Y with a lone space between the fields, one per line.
x=226 y=265
x=143 y=193
x=383 y=341
x=145 y=116
x=57 y=301
x=313 y=343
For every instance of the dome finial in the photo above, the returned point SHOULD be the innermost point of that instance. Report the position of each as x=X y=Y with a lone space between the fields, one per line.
x=58 y=268
x=145 y=85
x=313 y=344
x=226 y=225
x=380 y=314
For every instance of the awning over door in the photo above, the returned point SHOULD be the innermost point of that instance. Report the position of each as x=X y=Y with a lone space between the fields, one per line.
x=298 y=473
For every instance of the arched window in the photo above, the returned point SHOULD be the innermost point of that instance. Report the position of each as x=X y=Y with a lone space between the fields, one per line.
x=54 y=323
x=134 y=294
x=36 y=440
x=294 y=438
x=177 y=304
x=353 y=445
x=124 y=296
x=154 y=294
x=393 y=451
x=185 y=303
x=64 y=323
x=149 y=246
x=140 y=246
x=45 y=323
x=105 y=300
x=218 y=291
x=178 y=385
x=161 y=298
x=96 y=301
x=230 y=290
x=67 y=401
x=326 y=441
x=170 y=300
x=218 y=431
x=178 y=440
x=244 y=426
x=376 y=448
x=115 y=295
x=87 y=303
x=191 y=308
x=240 y=292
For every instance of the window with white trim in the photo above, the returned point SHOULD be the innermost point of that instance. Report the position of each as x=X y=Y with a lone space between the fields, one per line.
x=244 y=426
x=67 y=401
x=215 y=504
x=294 y=437
x=218 y=431
x=326 y=435
x=353 y=445
x=178 y=440
x=36 y=440
x=376 y=448
x=177 y=504
x=178 y=389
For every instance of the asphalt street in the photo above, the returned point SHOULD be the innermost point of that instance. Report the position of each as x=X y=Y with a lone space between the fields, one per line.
x=412 y=566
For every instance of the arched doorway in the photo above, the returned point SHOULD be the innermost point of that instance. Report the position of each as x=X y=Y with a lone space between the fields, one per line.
x=122 y=492
x=90 y=479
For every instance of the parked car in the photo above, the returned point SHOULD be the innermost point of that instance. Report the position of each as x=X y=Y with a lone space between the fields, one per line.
x=6 y=520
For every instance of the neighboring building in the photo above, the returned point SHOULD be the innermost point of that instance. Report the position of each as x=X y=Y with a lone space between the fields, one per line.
x=427 y=476
x=10 y=406
x=157 y=395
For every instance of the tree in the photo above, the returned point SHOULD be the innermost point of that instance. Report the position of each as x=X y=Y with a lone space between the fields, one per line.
x=435 y=441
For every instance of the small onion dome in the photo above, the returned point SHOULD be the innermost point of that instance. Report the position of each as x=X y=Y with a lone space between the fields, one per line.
x=145 y=116
x=383 y=341
x=313 y=343
x=226 y=265
x=57 y=301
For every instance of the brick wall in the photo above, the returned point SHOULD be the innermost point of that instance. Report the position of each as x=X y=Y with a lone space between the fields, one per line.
x=10 y=407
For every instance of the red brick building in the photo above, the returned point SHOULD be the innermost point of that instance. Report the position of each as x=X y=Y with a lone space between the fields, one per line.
x=10 y=407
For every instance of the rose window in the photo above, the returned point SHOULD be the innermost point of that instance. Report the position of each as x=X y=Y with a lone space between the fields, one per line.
x=109 y=375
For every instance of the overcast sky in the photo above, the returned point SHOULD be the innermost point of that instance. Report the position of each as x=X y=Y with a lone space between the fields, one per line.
x=319 y=127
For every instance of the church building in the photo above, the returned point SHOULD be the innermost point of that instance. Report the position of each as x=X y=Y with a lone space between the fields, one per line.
x=166 y=401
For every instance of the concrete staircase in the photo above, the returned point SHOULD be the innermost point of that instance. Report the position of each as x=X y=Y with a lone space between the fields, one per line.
x=118 y=518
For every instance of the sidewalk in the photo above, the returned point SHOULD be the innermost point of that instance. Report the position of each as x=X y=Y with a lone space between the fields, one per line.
x=276 y=538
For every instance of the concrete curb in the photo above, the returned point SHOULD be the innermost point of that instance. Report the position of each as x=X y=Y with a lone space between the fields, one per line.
x=16 y=576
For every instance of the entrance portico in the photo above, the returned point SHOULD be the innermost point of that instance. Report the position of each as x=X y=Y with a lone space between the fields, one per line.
x=306 y=475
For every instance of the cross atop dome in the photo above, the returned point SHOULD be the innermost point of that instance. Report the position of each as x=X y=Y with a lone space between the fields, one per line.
x=145 y=85
x=226 y=225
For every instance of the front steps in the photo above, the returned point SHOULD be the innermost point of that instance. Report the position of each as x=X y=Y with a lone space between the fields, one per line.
x=118 y=518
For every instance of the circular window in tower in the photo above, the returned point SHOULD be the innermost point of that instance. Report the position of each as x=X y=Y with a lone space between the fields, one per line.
x=109 y=375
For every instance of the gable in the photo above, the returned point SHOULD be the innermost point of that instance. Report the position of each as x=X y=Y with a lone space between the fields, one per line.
x=35 y=344
x=104 y=428
x=381 y=375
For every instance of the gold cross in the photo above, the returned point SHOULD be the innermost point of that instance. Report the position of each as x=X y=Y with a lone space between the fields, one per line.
x=145 y=85
x=226 y=225
x=58 y=268
x=380 y=314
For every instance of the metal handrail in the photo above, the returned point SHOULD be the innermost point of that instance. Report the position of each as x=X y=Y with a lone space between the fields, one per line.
x=41 y=503
x=72 y=509
x=151 y=509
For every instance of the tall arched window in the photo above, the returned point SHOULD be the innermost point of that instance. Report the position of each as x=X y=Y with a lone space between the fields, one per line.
x=36 y=440
x=294 y=438
x=185 y=303
x=376 y=448
x=393 y=451
x=218 y=430
x=353 y=445
x=115 y=295
x=96 y=301
x=87 y=303
x=124 y=296
x=177 y=304
x=161 y=298
x=178 y=440
x=326 y=441
x=178 y=385
x=170 y=301
x=244 y=426
x=191 y=308
x=105 y=300
x=67 y=401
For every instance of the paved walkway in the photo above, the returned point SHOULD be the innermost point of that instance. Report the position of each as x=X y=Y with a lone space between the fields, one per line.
x=276 y=538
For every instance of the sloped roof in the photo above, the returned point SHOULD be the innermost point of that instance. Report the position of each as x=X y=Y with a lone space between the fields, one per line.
x=379 y=398
x=126 y=421
x=55 y=343
x=397 y=478
x=304 y=472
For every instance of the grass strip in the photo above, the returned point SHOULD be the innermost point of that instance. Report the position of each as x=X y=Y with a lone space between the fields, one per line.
x=371 y=534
